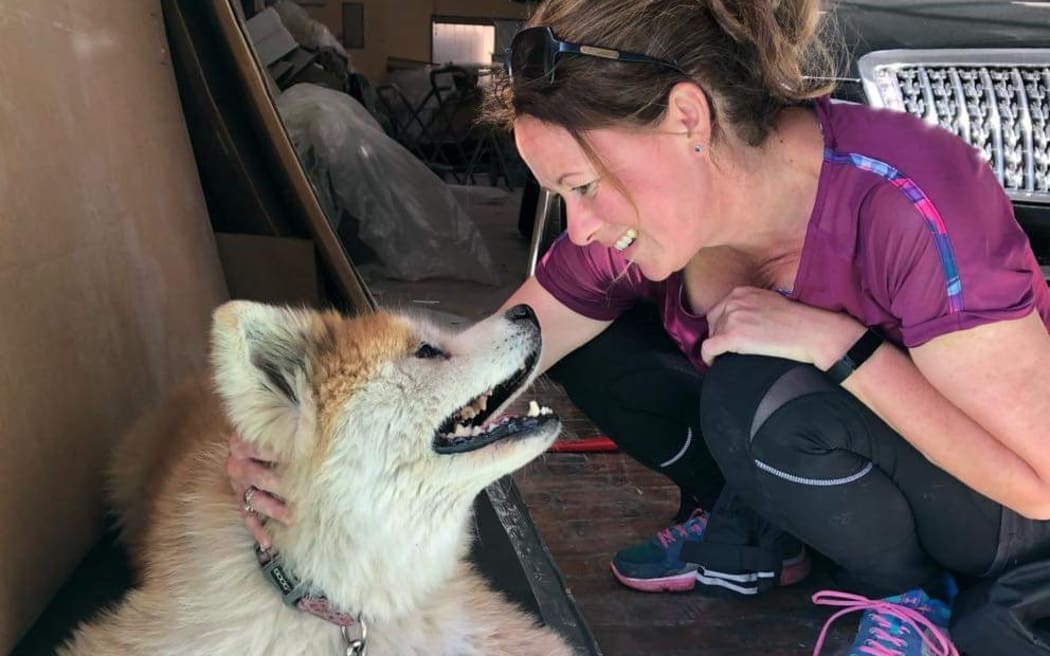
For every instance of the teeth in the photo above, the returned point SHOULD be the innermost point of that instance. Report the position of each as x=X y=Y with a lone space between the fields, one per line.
x=626 y=239
x=463 y=432
x=476 y=407
x=537 y=410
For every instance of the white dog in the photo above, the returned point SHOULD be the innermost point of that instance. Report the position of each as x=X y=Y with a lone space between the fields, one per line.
x=388 y=429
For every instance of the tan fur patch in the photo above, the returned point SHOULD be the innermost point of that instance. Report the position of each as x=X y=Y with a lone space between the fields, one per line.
x=355 y=351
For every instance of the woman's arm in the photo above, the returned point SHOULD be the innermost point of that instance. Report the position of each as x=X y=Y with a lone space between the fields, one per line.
x=563 y=329
x=977 y=403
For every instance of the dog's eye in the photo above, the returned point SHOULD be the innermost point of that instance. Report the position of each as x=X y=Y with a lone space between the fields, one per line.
x=429 y=352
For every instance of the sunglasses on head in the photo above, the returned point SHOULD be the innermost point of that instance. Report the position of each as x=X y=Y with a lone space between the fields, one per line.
x=534 y=52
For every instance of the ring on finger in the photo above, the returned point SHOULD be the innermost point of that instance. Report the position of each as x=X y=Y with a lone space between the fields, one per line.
x=248 y=494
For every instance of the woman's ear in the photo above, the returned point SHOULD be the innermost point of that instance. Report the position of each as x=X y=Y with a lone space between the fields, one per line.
x=689 y=112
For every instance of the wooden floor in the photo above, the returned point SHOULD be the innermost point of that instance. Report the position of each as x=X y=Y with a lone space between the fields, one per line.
x=588 y=506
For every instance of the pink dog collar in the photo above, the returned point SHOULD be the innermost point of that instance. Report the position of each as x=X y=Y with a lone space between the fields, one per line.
x=296 y=594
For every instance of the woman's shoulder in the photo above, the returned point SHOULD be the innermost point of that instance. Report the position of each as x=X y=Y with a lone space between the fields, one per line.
x=895 y=145
x=894 y=160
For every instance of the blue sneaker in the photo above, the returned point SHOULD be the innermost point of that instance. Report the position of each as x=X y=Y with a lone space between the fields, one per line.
x=908 y=624
x=654 y=565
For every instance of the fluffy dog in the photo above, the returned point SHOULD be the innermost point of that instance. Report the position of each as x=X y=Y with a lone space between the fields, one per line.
x=388 y=429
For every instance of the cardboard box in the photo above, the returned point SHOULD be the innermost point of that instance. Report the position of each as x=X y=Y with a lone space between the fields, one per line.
x=278 y=270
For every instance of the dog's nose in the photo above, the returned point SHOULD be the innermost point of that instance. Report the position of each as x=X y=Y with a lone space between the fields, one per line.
x=522 y=313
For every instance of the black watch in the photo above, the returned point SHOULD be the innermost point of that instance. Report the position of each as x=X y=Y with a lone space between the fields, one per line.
x=855 y=356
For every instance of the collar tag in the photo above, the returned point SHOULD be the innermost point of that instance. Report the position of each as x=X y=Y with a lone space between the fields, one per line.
x=291 y=589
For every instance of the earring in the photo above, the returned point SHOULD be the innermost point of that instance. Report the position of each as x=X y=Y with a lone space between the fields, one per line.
x=698 y=148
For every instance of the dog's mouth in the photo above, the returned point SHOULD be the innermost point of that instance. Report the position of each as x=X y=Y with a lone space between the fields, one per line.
x=474 y=426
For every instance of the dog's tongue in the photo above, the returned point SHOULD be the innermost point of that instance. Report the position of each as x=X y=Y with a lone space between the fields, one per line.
x=491 y=423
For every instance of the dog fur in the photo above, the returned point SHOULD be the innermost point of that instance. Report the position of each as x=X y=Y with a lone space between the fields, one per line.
x=382 y=521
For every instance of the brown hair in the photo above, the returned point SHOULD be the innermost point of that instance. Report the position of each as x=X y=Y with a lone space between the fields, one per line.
x=752 y=58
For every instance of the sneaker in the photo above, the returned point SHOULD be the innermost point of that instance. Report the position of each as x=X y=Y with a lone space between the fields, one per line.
x=909 y=624
x=656 y=565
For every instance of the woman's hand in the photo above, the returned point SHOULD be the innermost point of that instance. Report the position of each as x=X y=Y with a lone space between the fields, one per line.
x=247 y=467
x=756 y=321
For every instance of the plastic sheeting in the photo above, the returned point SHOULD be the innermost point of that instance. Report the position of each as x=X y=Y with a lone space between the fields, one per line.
x=406 y=214
x=308 y=32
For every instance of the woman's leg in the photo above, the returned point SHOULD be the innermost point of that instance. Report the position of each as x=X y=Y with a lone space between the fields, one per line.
x=637 y=387
x=812 y=459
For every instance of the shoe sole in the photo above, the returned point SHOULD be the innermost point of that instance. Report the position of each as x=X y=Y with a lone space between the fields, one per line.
x=794 y=570
x=676 y=583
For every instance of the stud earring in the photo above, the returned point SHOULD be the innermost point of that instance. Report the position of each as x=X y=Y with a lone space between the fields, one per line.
x=698 y=148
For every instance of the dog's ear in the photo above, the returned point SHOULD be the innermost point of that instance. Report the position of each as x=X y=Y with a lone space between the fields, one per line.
x=261 y=363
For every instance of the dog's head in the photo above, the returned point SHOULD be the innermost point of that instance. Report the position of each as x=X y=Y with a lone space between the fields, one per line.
x=380 y=405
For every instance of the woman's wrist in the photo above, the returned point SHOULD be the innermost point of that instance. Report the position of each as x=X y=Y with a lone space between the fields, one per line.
x=842 y=333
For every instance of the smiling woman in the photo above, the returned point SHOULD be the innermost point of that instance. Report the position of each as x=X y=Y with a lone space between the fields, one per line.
x=837 y=278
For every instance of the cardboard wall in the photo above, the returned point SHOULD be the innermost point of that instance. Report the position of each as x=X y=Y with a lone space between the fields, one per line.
x=108 y=269
x=402 y=28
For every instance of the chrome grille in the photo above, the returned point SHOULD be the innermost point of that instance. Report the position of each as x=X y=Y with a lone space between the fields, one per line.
x=997 y=100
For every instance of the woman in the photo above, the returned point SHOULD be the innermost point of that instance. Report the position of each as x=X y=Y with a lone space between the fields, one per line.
x=867 y=318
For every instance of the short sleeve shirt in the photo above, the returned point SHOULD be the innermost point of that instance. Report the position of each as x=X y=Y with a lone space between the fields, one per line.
x=911 y=232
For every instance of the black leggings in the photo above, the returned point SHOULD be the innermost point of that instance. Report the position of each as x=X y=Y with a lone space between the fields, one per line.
x=801 y=451
x=634 y=383
x=814 y=460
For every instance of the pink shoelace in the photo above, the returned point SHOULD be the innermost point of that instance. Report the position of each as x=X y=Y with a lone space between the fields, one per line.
x=932 y=636
x=689 y=527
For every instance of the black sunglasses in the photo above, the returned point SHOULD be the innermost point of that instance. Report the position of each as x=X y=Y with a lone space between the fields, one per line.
x=534 y=52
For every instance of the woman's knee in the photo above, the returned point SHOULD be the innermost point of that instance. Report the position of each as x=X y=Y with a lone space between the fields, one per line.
x=741 y=393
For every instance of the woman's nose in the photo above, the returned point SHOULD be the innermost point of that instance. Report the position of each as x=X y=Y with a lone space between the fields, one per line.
x=583 y=224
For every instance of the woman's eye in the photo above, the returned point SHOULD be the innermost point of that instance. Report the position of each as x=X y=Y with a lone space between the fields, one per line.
x=429 y=352
x=587 y=189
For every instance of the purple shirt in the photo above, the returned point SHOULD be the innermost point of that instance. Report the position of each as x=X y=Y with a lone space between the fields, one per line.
x=911 y=232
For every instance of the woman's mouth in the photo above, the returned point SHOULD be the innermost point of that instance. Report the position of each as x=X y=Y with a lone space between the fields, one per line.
x=625 y=240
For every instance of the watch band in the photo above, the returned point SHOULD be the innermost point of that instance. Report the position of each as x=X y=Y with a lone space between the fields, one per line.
x=855 y=356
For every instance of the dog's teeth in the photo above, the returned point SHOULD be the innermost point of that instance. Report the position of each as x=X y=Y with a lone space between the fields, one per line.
x=534 y=409
x=461 y=431
x=478 y=430
x=544 y=410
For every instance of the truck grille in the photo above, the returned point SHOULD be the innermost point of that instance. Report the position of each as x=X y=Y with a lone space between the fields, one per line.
x=997 y=100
